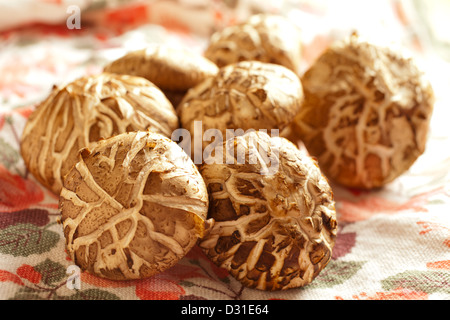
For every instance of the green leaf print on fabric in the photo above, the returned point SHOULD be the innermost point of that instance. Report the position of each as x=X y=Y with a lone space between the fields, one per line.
x=26 y=293
x=24 y=239
x=8 y=155
x=425 y=281
x=52 y=272
x=47 y=280
x=336 y=272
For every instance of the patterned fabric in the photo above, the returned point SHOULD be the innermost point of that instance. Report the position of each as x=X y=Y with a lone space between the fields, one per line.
x=392 y=243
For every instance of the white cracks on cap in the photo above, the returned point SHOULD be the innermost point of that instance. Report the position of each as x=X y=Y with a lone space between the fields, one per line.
x=181 y=188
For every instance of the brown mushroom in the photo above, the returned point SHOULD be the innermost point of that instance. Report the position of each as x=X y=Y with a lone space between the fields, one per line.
x=173 y=70
x=366 y=113
x=132 y=206
x=88 y=109
x=245 y=95
x=263 y=37
x=273 y=211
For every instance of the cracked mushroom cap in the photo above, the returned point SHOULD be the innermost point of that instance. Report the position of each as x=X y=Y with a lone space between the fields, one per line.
x=245 y=95
x=173 y=70
x=273 y=211
x=366 y=113
x=263 y=37
x=132 y=206
x=79 y=114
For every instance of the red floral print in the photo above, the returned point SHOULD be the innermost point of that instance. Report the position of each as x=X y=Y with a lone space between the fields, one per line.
x=439 y=265
x=397 y=294
x=364 y=208
x=158 y=288
x=17 y=193
x=27 y=272
x=6 y=276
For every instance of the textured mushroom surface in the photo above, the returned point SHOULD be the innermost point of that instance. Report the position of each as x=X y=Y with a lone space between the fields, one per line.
x=173 y=70
x=366 y=113
x=78 y=114
x=263 y=37
x=245 y=95
x=132 y=206
x=274 y=214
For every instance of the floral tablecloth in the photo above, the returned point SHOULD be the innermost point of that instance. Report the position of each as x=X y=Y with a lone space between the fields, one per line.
x=392 y=243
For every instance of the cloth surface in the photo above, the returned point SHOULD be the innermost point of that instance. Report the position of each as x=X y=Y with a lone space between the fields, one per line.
x=392 y=243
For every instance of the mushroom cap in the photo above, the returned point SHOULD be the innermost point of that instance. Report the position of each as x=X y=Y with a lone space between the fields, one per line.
x=132 y=206
x=263 y=37
x=169 y=68
x=366 y=113
x=90 y=108
x=245 y=95
x=274 y=216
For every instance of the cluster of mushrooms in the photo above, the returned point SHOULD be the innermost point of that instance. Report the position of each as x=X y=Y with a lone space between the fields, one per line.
x=133 y=201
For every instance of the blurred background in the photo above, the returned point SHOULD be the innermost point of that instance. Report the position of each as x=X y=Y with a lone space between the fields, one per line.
x=39 y=45
x=389 y=19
